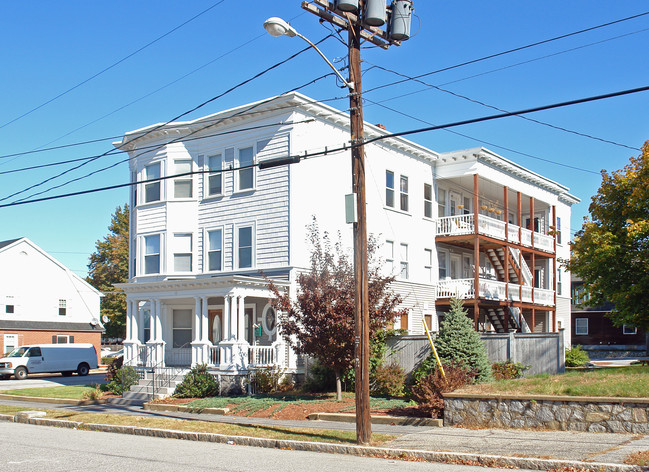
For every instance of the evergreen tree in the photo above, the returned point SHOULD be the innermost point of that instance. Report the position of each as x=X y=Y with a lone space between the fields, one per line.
x=458 y=343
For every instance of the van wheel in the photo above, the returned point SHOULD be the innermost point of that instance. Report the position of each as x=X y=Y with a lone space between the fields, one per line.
x=66 y=373
x=83 y=369
x=20 y=373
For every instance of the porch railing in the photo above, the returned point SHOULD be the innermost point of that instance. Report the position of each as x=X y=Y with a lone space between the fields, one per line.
x=261 y=356
x=494 y=290
x=463 y=224
x=215 y=355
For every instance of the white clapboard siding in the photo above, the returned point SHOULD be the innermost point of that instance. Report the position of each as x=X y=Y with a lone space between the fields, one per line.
x=151 y=218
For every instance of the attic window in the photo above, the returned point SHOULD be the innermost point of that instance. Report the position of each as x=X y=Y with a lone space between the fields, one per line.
x=9 y=308
x=62 y=307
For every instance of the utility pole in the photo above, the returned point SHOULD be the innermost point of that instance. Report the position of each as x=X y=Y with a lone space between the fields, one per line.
x=343 y=15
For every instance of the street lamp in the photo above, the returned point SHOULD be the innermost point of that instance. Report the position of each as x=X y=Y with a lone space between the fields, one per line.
x=278 y=27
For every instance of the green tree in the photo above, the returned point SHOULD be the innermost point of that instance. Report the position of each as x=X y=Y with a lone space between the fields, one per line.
x=320 y=321
x=109 y=265
x=459 y=344
x=611 y=251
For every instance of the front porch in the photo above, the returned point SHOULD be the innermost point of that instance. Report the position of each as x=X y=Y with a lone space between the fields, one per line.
x=226 y=323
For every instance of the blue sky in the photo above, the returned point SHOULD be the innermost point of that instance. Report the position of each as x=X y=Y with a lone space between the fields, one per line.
x=52 y=47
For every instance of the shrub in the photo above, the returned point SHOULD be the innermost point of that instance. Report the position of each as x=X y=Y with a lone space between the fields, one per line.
x=267 y=380
x=428 y=391
x=458 y=343
x=576 y=357
x=113 y=367
x=197 y=383
x=389 y=379
x=319 y=378
x=94 y=393
x=123 y=379
x=107 y=360
x=508 y=370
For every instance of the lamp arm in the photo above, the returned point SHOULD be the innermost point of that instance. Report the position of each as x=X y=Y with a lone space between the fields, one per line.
x=349 y=85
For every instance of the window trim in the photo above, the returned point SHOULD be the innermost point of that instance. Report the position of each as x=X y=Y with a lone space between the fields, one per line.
x=389 y=190
x=208 y=175
x=428 y=264
x=389 y=261
x=403 y=194
x=428 y=203
x=253 y=248
x=578 y=331
x=237 y=173
x=173 y=254
x=441 y=204
x=206 y=249
x=159 y=183
x=189 y=178
x=63 y=307
x=404 y=263
x=143 y=254
x=626 y=330
x=446 y=264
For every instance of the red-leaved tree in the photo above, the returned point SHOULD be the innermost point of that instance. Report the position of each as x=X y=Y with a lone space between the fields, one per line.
x=319 y=321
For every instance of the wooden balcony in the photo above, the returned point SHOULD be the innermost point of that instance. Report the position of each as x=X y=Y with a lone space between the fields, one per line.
x=493 y=290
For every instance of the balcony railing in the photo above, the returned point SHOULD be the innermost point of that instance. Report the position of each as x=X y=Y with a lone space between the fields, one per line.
x=494 y=290
x=463 y=224
x=261 y=356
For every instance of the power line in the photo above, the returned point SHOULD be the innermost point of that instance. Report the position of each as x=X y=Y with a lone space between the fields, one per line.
x=112 y=65
x=206 y=102
x=345 y=147
x=479 y=102
x=509 y=51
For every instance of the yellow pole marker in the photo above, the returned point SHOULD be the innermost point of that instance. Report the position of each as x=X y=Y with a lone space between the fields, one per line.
x=439 y=363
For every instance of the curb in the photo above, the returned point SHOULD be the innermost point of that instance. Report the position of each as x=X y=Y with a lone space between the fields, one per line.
x=379 y=419
x=185 y=409
x=60 y=401
x=365 y=451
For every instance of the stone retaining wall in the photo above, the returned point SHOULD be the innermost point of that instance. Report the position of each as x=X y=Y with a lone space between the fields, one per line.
x=592 y=414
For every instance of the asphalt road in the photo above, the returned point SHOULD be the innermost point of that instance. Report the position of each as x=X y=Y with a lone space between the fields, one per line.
x=52 y=380
x=29 y=448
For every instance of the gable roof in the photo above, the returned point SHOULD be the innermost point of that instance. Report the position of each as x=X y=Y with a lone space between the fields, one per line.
x=8 y=242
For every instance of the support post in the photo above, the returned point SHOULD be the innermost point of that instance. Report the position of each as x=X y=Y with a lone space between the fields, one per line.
x=476 y=253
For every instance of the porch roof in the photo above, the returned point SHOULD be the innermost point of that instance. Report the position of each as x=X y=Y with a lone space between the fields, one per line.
x=217 y=286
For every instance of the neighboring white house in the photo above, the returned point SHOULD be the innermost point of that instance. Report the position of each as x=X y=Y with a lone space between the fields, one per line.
x=42 y=301
x=201 y=242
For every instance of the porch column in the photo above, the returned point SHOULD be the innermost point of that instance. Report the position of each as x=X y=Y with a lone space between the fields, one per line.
x=129 y=344
x=241 y=331
x=197 y=319
x=204 y=321
x=476 y=253
x=226 y=318
x=531 y=228
x=200 y=348
x=135 y=321
x=140 y=322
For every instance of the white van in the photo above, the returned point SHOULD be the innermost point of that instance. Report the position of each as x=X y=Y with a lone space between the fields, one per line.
x=38 y=358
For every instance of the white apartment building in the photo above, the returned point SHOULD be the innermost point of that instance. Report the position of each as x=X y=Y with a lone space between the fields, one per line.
x=468 y=224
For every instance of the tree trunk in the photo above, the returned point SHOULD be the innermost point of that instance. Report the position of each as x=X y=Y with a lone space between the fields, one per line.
x=339 y=387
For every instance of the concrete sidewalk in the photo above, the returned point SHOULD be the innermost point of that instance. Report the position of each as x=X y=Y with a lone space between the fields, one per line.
x=536 y=450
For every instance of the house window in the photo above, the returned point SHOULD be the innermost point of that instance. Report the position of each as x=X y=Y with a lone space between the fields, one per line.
x=428 y=200
x=215 y=180
x=182 y=328
x=9 y=308
x=152 y=189
x=443 y=264
x=152 y=254
x=147 y=325
x=404 y=261
x=467 y=206
x=403 y=320
x=559 y=288
x=63 y=307
x=389 y=188
x=62 y=339
x=428 y=320
x=581 y=326
x=182 y=252
x=389 y=257
x=246 y=173
x=403 y=193
x=214 y=249
x=558 y=230
x=428 y=264
x=10 y=342
x=244 y=247
x=626 y=329
x=183 y=185
x=441 y=202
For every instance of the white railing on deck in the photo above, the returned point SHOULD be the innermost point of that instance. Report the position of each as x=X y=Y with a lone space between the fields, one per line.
x=455 y=288
x=526 y=293
x=543 y=297
x=463 y=224
x=260 y=356
x=493 y=290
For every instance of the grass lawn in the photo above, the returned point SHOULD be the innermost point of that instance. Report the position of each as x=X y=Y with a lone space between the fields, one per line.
x=631 y=381
x=248 y=405
x=74 y=392
x=270 y=432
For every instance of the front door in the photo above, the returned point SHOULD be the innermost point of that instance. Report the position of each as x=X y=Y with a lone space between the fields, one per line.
x=215 y=326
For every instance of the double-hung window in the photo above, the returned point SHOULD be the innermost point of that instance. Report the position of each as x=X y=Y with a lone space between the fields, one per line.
x=403 y=193
x=63 y=307
x=215 y=180
x=152 y=254
x=581 y=326
x=152 y=189
x=441 y=202
x=215 y=250
x=443 y=264
x=389 y=188
x=428 y=200
x=246 y=172
x=558 y=230
x=404 y=261
x=183 y=185
x=244 y=247
x=389 y=257
x=182 y=252
x=428 y=264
